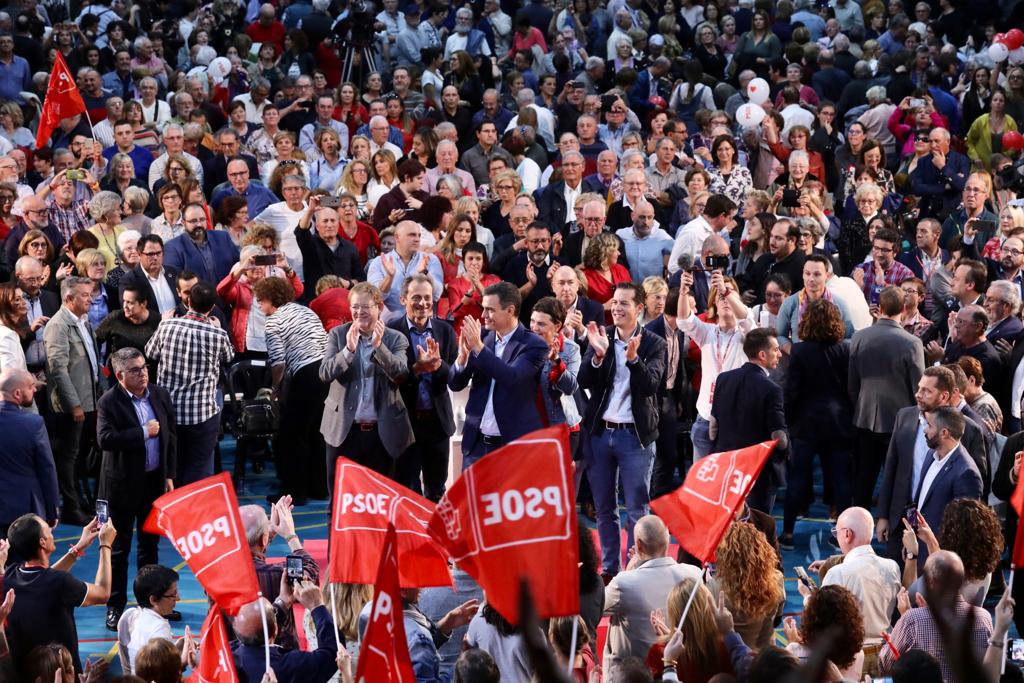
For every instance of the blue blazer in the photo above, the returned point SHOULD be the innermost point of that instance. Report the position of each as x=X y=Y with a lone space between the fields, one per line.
x=516 y=375
x=958 y=478
x=181 y=253
x=291 y=666
x=29 y=481
x=940 y=191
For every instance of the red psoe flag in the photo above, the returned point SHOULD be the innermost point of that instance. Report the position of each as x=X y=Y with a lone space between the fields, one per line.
x=202 y=522
x=62 y=100
x=1017 y=502
x=699 y=512
x=512 y=516
x=364 y=504
x=215 y=662
x=384 y=655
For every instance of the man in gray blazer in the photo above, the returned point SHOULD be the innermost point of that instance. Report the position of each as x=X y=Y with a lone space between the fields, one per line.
x=365 y=364
x=72 y=371
x=886 y=363
x=644 y=586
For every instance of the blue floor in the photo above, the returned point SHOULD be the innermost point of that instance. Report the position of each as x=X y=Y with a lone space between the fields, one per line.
x=811 y=542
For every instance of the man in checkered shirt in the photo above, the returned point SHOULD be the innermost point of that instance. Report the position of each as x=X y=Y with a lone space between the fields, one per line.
x=943 y=570
x=190 y=351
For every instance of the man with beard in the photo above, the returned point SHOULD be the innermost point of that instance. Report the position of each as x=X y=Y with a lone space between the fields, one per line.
x=531 y=270
x=647 y=247
x=207 y=253
x=1011 y=256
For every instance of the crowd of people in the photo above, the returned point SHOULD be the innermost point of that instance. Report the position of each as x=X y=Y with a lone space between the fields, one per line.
x=410 y=235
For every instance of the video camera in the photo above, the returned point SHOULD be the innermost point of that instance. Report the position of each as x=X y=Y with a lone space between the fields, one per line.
x=356 y=29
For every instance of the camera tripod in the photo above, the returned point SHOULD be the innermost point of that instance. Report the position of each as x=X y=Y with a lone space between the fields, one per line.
x=367 y=61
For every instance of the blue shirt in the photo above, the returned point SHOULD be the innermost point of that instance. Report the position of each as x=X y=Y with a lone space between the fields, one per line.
x=375 y=275
x=419 y=339
x=324 y=176
x=142 y=159
x=15 y=78
x=99 y=308
x=646 y=256
x=144 y=412
x=257 y=197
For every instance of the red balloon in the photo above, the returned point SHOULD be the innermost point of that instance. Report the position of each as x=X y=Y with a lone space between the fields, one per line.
x=1013 y=140
x=999 y=38
x=1014 y=38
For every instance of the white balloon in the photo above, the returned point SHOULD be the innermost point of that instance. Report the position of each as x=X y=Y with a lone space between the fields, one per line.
x=220 y=67
x=758 y=91
x=998 y=52
x=749 y=115
x=1017 y=56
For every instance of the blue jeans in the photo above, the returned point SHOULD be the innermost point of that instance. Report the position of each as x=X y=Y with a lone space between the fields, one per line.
x=611 y=453
x=702 y=443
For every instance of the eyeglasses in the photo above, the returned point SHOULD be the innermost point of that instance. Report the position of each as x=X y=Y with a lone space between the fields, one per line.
x=37 y=243
x=138 y=372
x=882 y=250
x=921 y=138
x=38 y=211
x=1011 y=252
x=151 y=254
x=505 y=187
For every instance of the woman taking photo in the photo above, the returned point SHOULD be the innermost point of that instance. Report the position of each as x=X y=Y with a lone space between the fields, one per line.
x=355 y=180
x=383 y=175
x=465 y=292
x=746 y=573
x=819 y=412
x=602 y=270
x=232 y=217
x=727 y=176
x=906 y=122
x=169 y=224
x=105 y=209
x=507 y=185
x=985 y=136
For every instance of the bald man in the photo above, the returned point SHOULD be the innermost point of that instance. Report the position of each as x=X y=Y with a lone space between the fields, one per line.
x=290 y=665
x=916 y=629
x=644 y=586
x=873 y=580
x=29 y=483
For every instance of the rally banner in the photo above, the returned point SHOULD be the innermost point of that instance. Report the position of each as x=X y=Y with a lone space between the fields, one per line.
x=365 y=502
x=63 y=100
x=699 y=512
x=512 y=516
x=215 y=662
x=384 y=655
x=203 y=523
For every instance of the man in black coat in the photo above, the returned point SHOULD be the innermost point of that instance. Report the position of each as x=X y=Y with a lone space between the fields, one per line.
x=151 y=274
x=580 y=311
x=673 y=392
x=531 y=271
x=551 y=200
x=431 y=351
x=324 y=252
x=747 y=409
x=135 y=427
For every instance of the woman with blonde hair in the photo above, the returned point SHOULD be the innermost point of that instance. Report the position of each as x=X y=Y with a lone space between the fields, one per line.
x=746 y=573
x=92 y=263
x=287 y=150
x=602 y=269
x=705 y=655
x=354 y=181
x=1010 y=218
x=383 y=175
x=507 y=185
x=344 y=602
x=105 y=209
x=359 y=148
x=471 y=207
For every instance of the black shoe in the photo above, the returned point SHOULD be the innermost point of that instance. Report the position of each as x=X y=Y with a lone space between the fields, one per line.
x=786 y=542
x=175 y=615
x=113 y=616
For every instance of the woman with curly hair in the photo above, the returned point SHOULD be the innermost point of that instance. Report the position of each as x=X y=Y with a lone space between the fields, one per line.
x=818 y=412
x=971 y=530
x=705 y=655
x=602 y=269
x=832 y=620
x=746 y=573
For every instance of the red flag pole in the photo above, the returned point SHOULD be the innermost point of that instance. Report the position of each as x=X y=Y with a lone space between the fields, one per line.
x=266 y=631
x=689 y=601
x=1006 y=636
x=572 y=644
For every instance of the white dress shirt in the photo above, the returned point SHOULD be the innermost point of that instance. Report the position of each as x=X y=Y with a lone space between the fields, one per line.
x=162 y=291
x=874 y=581
x=571 y=196
x=488 y=423
x=934 y=467
x=620 y=408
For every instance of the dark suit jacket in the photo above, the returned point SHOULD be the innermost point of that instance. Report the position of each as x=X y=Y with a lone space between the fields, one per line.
x=122 y=439
x=182 y=253
x=682 y=385
x=958 y=478
x=749 y=408
x=29 y=480
x=817 y=402
x=572 y=250
x=136 y=277
x=646 y=376
x=551 y=205
x=912 y=259
x=940 y=190
x=515 y=272
x=291 y=666
x=516 y=375
x=1007 y=328
x=318 y=260
x=444 y=335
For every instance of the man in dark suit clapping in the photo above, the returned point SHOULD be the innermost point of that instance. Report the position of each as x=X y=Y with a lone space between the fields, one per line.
x=135 y=428
x=747 y=409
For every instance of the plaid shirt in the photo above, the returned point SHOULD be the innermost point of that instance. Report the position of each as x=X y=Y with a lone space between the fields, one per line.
x=70 y=220
x=916 y=630
x=896 y=274
x=190 y=351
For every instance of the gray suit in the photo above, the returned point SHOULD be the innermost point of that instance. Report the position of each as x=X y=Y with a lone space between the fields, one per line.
x=886 y=363
x=345 y=374
x=629 y=599
x=71 y=383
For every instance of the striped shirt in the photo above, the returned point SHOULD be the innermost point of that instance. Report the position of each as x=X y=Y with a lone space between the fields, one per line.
x=295 y=337
x=190 y=351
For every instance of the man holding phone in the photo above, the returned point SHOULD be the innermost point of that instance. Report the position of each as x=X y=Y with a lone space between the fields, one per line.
x=136 y=429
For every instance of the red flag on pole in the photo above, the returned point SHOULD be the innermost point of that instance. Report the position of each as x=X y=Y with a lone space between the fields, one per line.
x=365 y=503
x=512 y=516
x=384 y=655
x=1017 y=503
x=215 y=662
x=202 y=522
x=699 y=512
x=62 y=100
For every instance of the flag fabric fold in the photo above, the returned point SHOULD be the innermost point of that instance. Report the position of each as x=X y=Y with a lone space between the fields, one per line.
x=215 y=661
x=63 y=100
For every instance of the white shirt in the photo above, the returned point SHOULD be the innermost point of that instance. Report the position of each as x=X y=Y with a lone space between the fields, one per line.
x=571 y=196
x=1017 y=389
x=253 y=112
x=795 y=115
x=719 y=352
x=457 y=41
x=284 y=220
x=11 y=354
x=690 y=240
x=147 y=625
x=393 y=148
x=90 y=345
x=934 y=467
x=488 y=423
x=874 y=581
x=162 y=291
x=920 y=454
x=620 y=407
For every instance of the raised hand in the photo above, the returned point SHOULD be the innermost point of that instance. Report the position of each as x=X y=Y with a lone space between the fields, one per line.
x=388 y=263
x=598 y=339
x=471 y=332
x=631 y=348
x=378 y=333
x=352 y=338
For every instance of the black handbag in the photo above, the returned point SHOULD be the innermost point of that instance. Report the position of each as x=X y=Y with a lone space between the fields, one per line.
x=258 y=417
